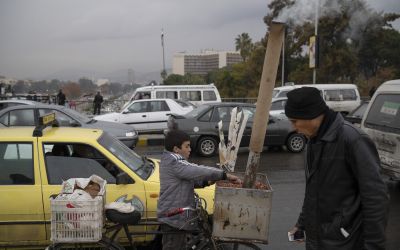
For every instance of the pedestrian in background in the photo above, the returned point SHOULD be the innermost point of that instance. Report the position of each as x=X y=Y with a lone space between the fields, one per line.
x=346 y=200
x=61 y=98
x=98 y=100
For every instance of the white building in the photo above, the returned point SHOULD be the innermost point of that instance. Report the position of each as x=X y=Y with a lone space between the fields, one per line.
x=100 y=82
x=204 y=62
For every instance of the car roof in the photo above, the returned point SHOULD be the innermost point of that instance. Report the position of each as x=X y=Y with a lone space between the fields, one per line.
x=178 y=87
x=38 y=105
x=27 y=102
x=278 y=99
x=229 y=104
x=392 y=85
x=154 y=99
x=53 y=133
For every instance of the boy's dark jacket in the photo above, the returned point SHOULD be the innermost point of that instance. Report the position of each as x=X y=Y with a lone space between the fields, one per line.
x=344 y=189
x=178 y=178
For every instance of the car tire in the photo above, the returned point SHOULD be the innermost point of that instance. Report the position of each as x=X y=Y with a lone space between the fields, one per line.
x=296 y=143
x=207 y=146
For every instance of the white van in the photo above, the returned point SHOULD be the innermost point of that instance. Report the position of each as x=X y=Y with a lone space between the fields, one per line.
x=343 y=98
x=381 y=122
x=196 y=94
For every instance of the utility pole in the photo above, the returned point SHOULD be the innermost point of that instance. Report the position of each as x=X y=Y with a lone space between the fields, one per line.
x=283 y=59
x=316 y=51
x=267 y=83
x=163 y=73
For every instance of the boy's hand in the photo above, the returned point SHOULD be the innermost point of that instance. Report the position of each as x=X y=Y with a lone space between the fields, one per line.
x=233 y=178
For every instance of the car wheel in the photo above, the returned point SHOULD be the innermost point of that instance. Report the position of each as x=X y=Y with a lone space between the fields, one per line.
x=207 y=146
x=296 y=143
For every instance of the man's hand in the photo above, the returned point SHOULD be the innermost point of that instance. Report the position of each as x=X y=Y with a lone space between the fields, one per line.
x=233 y=178
x=293 y=231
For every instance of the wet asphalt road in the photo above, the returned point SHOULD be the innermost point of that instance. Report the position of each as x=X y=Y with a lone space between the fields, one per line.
x=286 y=175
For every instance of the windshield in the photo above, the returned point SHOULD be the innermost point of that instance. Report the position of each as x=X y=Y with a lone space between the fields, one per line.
x=359 y=112
x=185 y=104
x=197 y=111
x=140 y=165
x=384 y=113
x=274 y=93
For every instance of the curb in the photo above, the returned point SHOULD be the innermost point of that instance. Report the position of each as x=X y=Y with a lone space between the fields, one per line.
x=150 y=140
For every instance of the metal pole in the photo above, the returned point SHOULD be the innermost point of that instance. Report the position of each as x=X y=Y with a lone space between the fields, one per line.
x=163 y=53
x=316 y=34
x=283 y=60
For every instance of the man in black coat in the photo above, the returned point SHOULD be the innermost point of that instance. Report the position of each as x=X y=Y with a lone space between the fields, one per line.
x=346 y=200
x=61 y=98
x=98 y=99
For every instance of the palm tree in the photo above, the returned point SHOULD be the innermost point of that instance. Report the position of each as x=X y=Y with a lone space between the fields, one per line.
x=244 y=44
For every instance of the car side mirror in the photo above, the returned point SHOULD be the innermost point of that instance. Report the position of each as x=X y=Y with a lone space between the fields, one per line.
x=124 y=178
x=125 y=112
x=271 y=121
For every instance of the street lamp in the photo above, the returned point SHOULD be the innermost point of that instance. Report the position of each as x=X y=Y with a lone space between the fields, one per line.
x=163 y=73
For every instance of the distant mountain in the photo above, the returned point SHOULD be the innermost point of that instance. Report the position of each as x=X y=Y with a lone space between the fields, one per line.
x=73 y=74
x=120 y=76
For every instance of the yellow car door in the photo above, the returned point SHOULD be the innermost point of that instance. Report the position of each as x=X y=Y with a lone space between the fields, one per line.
x=21 y=209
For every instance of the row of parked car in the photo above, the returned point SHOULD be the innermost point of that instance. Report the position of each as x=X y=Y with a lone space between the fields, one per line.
x=32 y=166
x=35 y=160
x=157 y=116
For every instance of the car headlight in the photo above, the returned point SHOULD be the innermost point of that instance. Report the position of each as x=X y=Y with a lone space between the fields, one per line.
x=130 y=134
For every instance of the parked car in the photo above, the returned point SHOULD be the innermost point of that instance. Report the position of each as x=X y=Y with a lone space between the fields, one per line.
x=10 y=103
x=382 y=123
x=357 y=114
x=196 y=94
x=147 y=115
x=278 y=106
x=28 y=115
x=340 y=97
x=202 y=126
x=32 y=169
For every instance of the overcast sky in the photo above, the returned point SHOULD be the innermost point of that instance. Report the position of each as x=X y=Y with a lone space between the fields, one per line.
x=39 y=38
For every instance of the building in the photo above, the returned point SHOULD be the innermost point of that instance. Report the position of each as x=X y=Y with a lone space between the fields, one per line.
x=204 y=62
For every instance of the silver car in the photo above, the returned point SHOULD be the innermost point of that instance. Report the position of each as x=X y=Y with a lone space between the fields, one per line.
x=202 y=126
x=28 y=115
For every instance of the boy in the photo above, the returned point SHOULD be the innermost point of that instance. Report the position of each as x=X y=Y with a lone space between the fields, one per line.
x=178 y=178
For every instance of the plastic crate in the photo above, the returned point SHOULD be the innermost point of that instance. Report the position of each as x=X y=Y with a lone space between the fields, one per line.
x=76 y=221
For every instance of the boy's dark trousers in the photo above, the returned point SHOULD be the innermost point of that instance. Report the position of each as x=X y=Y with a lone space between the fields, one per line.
x=175 y=241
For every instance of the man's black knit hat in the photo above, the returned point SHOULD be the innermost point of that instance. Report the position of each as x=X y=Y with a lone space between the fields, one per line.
x=305 y=103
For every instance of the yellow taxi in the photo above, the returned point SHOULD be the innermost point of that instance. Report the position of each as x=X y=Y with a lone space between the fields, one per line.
x=35 y=161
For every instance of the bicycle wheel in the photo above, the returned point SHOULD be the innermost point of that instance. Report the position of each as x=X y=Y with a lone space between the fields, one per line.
x=103 y=244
